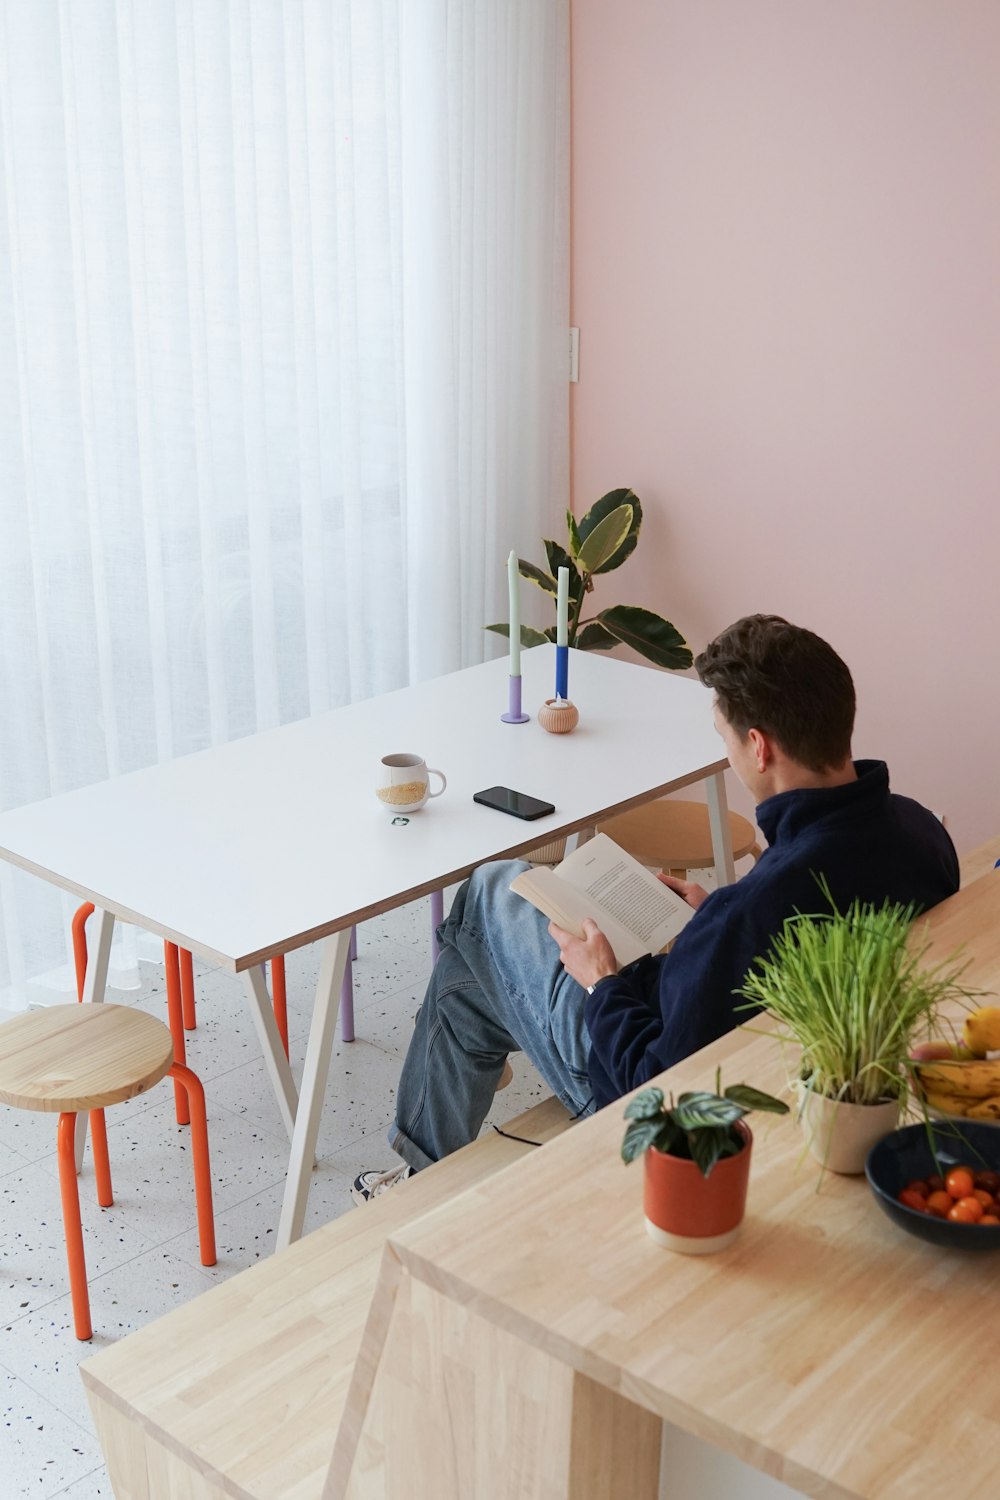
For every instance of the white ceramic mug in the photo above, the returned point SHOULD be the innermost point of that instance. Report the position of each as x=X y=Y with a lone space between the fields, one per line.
x=403 y=782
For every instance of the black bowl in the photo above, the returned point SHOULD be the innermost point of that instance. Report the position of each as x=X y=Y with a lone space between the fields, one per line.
x=905 y=1155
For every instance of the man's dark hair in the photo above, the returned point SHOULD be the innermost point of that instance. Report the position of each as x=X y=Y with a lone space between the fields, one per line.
x=785 y=681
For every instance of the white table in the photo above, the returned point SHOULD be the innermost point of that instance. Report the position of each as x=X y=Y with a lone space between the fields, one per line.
x=260 y=846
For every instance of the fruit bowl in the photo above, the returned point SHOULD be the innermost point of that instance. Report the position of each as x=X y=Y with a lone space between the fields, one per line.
x=905 y=1155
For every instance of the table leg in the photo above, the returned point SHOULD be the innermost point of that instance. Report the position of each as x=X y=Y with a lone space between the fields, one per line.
x=315 y=1071
x=93 y=993
x=275 y=1061
x=718 y=821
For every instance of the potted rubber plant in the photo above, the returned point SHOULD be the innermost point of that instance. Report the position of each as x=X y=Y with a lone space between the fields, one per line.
x=852 y=990
x=596 y=544
x=697 y=1162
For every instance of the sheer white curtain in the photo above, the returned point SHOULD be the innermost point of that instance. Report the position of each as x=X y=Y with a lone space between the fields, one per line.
x=283 y=309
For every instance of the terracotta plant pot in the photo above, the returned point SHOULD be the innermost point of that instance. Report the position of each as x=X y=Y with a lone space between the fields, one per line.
x=691 y=1213
x=841 y=1135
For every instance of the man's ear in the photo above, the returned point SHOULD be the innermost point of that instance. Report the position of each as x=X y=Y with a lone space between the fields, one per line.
x=763 y=749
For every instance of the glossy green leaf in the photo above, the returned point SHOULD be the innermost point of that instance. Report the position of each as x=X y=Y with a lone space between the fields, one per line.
x=594 y=637
x=709 y=1145
x=749 y=1098
x=696 y=1111
x=529 y=636
x=649 y=634
x=558 y=558
x=645 y=1104
x=536 y=575
x=573 y=532
x=605 y=540
x=599 y=511
x=641 y=1134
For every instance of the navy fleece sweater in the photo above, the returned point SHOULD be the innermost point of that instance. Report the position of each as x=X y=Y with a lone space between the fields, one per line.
x=868 y=842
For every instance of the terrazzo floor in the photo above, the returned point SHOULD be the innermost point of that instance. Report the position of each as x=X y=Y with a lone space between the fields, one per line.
x=142 y=1254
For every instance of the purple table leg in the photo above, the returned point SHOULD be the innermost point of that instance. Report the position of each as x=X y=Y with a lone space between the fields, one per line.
x=347 y=992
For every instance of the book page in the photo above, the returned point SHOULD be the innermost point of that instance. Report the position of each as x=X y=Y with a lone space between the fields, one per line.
x=636 y=912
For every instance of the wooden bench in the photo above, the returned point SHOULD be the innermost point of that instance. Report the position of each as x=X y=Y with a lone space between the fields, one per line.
x=240 y=1392
x=980 y=861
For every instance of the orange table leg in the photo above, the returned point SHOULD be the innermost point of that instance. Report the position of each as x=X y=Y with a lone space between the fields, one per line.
x=191 y=1084
x=280 y=998
x=79 y=929
x=187 y=991
x=175 y=1016
x=72 y=1227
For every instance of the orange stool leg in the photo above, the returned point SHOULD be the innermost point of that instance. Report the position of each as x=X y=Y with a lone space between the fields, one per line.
x=185 y=1079
x=280 y=998
x=102 y=1166
x=72 y=1227
x=175 y=1015
x=187 y=991
x=79 y=930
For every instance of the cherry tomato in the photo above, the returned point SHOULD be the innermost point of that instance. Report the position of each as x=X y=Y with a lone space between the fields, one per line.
x=959 y=1182
x=967 y=1211
x=918 y=1186
x=989 y=1219
x=935 y=1184
x=940 y=1203
x=985 y=1198
x=913 y=1199
x=988 y=1180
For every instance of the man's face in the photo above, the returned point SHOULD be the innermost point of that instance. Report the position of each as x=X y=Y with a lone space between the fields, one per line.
x=740 y=751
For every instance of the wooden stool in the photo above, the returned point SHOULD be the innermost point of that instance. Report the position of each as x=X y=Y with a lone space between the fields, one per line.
x=676 y=836
x=71 y=1057
x=179 y=970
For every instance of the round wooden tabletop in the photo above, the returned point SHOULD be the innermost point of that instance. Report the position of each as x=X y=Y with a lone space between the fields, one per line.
x=675 y=834
x=73 y=1057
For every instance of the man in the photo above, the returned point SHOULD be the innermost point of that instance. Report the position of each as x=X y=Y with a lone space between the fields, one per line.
x=784 y=706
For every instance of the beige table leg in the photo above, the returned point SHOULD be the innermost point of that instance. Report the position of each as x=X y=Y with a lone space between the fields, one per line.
x=445 y=1405
x=718 y=822
x=275 y=1061
x=315 y=1072
x=94 y=989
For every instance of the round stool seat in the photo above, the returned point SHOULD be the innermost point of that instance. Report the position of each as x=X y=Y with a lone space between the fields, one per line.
x=676 y=835
x=68 y=1058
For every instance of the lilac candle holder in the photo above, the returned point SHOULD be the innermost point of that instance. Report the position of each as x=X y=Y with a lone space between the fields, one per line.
x=514 y=714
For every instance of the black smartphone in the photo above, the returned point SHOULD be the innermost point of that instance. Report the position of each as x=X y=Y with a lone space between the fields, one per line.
x=518 y=804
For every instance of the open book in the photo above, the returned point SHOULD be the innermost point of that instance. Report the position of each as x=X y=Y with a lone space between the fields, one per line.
x=637 y=913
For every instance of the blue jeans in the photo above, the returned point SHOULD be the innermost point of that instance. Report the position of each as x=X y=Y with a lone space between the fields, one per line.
x=498 y=987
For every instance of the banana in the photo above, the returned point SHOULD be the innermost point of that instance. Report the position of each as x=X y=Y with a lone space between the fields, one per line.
x=969 y=1080
x=986 y=1109
x=946 y=1104
x=981 y=1032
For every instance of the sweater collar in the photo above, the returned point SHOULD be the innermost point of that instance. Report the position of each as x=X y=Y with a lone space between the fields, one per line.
x=787 y=814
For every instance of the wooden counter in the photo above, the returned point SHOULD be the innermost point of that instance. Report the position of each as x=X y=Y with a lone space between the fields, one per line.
x=533 y=1316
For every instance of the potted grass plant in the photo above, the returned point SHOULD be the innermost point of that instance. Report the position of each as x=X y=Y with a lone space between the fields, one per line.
x=697 y=1162
x=852 y=990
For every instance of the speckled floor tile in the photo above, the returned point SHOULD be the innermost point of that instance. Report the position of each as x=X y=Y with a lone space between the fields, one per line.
x=93 y=1486
x=42 y=1349
x=153 y=1174
x=246 y=1233
x=33 y=1247
x=43 y=1449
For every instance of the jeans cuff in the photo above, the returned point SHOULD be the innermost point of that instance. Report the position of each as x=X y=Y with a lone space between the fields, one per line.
x=404 y=1147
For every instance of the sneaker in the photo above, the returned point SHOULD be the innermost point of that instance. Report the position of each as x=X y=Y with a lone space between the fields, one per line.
x=369 y=1185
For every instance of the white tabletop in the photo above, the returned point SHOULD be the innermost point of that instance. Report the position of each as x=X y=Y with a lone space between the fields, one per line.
x=259 y=846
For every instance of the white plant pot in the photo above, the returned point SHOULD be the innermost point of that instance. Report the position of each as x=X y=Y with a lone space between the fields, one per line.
x=841 y=1135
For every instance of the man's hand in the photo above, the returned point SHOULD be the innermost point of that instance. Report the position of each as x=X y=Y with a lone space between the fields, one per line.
x=693 y=894
x=586 y=959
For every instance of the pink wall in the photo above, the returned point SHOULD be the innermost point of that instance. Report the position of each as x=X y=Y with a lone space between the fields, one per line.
x=786 y=268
